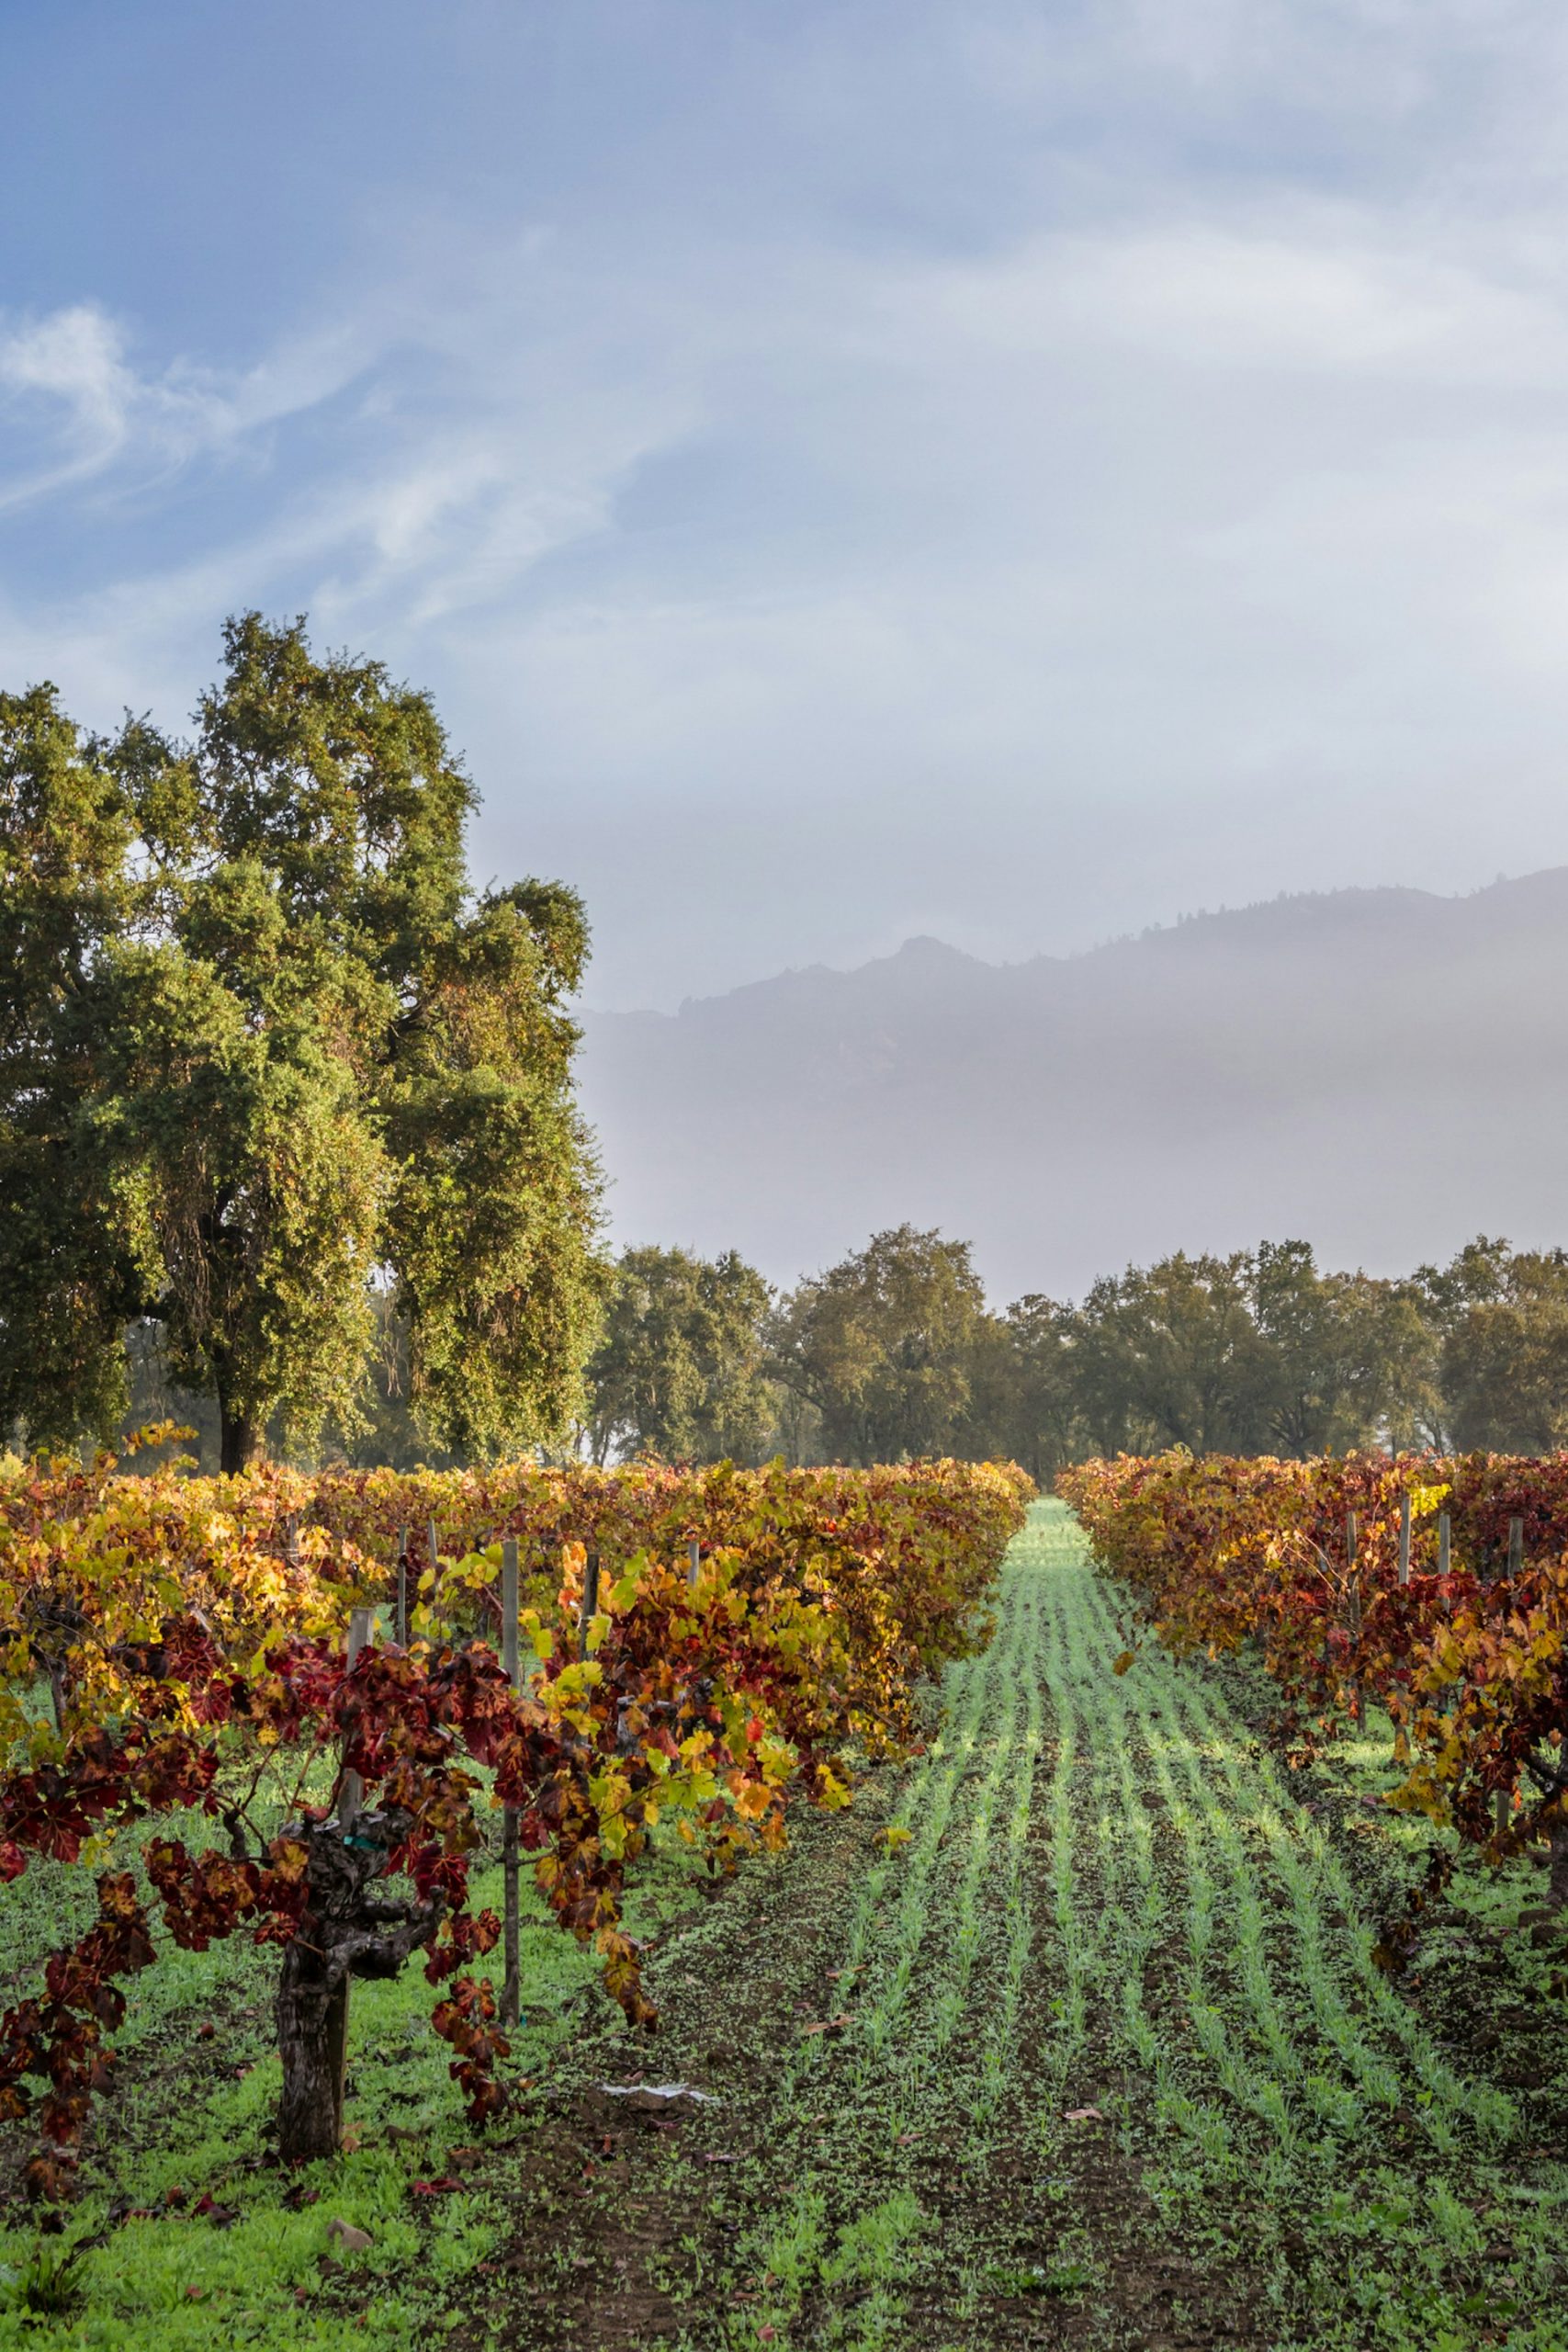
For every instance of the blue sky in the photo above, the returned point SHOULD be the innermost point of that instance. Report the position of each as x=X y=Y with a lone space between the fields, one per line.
x=1015 y=472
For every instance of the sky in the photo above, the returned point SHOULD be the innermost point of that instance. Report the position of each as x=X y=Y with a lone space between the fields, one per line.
x=844 y=470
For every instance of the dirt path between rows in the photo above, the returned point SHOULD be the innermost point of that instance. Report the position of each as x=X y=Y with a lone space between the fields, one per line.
x=1070 y=2034
x=889 y=2154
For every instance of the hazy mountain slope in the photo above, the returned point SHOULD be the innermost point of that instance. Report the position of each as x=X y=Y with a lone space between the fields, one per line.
x=1383 y=1071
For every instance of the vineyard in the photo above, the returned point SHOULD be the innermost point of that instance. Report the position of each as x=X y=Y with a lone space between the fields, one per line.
x=1434 y=1590
x=973 y=1936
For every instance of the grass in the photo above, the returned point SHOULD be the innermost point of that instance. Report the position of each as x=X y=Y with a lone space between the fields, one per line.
x=1091 y=2051
x=191 y=2118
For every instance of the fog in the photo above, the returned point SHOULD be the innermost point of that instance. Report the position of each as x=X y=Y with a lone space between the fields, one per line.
x=1383 y=1073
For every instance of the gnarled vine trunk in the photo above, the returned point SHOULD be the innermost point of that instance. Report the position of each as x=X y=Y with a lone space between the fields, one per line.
x=346 y=1931
x=1557 y=1883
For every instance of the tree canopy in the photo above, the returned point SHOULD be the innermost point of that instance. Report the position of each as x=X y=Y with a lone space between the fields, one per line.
x=1503 y=1367
x=682 y=1369
x=883 y=1346
x=264 y=1055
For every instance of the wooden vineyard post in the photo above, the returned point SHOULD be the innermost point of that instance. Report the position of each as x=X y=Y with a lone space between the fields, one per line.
x=1352 y=1533
x=1445 y=1543
x=350 y=1796
x=402 y=1588
x=1503 y=1799
x=435 y=1564
x=590 y=1601
x=693 y=1563
x=511 y=1983
x=350 y=1791
x=1404 y=1539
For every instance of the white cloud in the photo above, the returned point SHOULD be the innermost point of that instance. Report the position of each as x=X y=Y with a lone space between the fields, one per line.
x=71 y=367
x=1328 y=291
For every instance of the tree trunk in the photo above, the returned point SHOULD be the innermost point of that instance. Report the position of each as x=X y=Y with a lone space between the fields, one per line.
x=240 y=1441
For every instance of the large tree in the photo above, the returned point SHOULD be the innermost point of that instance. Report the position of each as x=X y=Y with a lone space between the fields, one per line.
x=1025 y=1408
x=681 y=1371
x=264 y=1052
x=883 y=1346
x=1503 y=1319
x=1169 y=1354
x=1349 y=1356
x=68 y=1280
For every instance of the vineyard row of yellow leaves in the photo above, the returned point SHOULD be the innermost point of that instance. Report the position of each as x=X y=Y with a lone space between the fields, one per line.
x=861 y=1581
x=748 y=1628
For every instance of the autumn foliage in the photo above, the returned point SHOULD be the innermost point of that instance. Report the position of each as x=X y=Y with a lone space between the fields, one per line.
x=1470 y=1661
x=175 y=1646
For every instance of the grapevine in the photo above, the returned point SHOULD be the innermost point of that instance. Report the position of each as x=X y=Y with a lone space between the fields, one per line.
x=190 y=1634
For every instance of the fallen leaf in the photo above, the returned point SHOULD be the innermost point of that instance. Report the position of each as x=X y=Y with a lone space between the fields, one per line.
x=442 y=2187
x=828 y=2025
x=1085 y=2115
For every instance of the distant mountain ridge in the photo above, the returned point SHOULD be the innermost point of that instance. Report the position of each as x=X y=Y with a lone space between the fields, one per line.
x=1380 y=1072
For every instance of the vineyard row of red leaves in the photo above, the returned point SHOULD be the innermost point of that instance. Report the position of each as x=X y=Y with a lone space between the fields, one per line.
x=189 y=1634
x=1471 y=1666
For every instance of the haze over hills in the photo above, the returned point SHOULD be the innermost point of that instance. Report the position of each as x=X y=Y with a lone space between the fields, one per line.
x=1382 y=1071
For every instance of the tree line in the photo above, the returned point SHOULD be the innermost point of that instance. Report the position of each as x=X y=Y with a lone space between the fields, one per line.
x=894 y=1352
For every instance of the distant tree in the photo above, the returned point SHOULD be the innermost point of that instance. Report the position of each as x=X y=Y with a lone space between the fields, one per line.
x=1170 y=1354
x=1346 y=1356
x=680 y=1370
x=264 y=1055
x=883 y=1346
x=1022 y=1405
x=1502 y=1316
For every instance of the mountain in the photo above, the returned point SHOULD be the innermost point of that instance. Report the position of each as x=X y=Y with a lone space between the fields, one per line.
x=1383 y=1072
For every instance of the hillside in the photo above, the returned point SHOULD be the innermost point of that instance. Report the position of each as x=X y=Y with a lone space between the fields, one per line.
x=1383 y=1071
